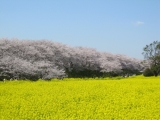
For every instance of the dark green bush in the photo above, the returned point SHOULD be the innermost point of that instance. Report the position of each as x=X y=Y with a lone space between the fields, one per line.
x=148 y=72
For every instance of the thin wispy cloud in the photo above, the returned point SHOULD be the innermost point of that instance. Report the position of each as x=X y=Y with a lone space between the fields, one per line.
x=139 y=23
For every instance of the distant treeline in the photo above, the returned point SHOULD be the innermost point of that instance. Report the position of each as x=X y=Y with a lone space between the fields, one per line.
x=43 y=59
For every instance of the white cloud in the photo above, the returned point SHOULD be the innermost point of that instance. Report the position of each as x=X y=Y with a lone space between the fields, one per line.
x=139 y=23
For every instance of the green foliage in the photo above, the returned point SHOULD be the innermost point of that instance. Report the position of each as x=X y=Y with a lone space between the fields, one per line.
x=148 y=72
x=152 y=53
x=127 y=71
x=76 y=99
x=86 y=73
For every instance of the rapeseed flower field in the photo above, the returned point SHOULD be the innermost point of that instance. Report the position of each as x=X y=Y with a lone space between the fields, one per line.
x=134 y=98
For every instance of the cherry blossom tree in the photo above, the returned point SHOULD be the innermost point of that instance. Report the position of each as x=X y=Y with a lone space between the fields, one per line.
x=35 y=59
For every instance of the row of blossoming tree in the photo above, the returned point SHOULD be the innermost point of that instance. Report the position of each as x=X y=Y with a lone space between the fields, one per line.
x=43 y=59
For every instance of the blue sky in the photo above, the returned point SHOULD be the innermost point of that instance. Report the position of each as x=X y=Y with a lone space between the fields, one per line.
x=115 y=26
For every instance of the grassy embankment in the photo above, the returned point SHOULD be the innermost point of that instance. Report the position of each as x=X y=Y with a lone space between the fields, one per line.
x=135 y=98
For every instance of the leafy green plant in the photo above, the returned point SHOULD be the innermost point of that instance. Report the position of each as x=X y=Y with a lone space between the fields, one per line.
x=148 y=72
